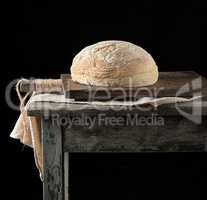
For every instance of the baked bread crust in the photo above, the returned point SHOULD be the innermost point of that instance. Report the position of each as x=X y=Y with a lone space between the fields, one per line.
x=114 y=64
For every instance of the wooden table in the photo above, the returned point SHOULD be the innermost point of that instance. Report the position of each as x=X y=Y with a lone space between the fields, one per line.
x=172 y=132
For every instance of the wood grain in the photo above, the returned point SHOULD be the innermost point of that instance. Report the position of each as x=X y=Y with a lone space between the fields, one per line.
x=177 y=134
x=53 y=185
x=168 y=84
x=40 y=108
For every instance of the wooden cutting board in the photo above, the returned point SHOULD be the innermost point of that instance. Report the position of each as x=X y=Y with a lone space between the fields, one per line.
x=183 y=84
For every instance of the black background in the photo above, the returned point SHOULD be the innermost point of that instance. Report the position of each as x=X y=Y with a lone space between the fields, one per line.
x=41 y=39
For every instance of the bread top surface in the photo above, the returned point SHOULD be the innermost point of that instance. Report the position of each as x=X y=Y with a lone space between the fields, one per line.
x=113 y=63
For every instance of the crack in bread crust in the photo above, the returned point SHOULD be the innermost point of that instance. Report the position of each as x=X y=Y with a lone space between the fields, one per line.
x=113 y=63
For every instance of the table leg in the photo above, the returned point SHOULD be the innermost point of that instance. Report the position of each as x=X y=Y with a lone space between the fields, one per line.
x=53 y=185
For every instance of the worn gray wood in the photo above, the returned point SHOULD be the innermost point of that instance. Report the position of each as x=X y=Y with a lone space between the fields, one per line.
x=66 y=176
x=176 y=134
x=53 y=185
x=167 y=85
x=39 y=108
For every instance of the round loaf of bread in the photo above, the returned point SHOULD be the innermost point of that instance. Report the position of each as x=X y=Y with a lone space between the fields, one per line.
x=114 y=64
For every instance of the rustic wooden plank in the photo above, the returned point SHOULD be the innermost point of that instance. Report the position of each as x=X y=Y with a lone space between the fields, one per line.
x=66 y=176
x=176 y=135
x=171 y=80
x=53 y=185
x=40 y=108
x=168 y=84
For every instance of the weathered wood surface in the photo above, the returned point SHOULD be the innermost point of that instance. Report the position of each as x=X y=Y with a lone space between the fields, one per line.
x=176 y=134
x=168 y=84
x=53 y=185
x=66 y=175
x=170 y=81
x=40 y=108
